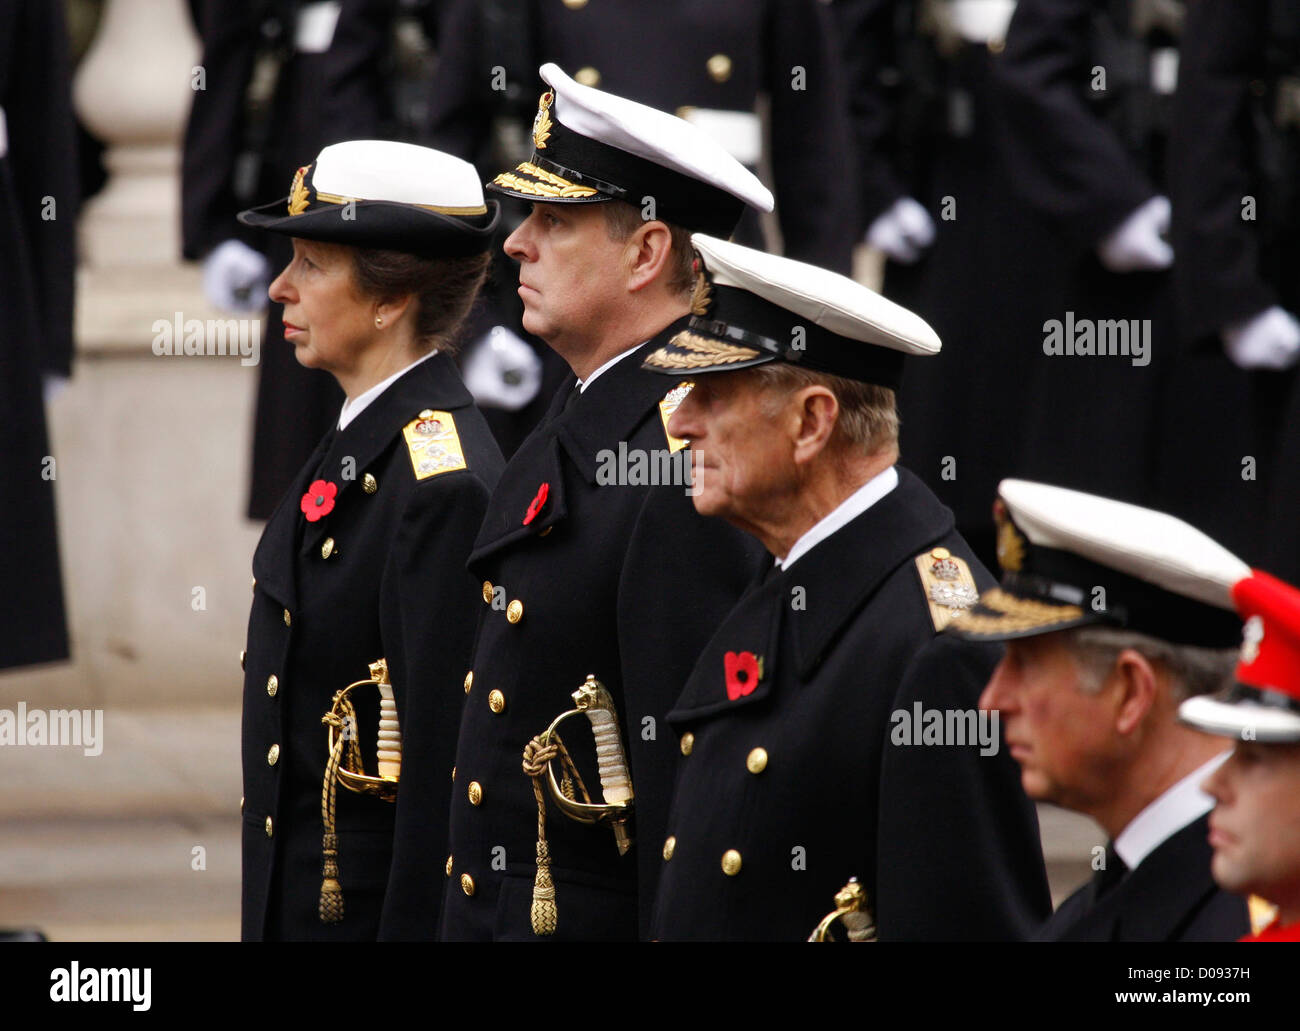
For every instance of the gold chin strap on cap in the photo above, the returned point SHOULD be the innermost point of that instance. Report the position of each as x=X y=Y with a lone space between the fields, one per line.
x=346 y=767
x=852 y=913
x=593 y=700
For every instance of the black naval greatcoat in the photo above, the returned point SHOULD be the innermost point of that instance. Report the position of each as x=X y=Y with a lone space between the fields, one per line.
x=625 y=582
x=381 y=575
x=790 y=789
x=1170 y=896
x=38 y=218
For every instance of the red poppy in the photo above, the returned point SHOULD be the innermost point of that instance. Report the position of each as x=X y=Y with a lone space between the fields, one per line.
x=319 y=500
x=537 y=504
x=743 y=672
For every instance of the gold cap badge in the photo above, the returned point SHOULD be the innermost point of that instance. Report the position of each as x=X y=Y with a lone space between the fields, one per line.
x=298 y=196
x=542 y=122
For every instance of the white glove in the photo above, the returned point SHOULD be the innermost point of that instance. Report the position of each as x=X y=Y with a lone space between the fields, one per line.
x=902 y=232
x=1269 y=340
x=52 y=385
x=502 y=371
x=1138 y=244
x=235 y=277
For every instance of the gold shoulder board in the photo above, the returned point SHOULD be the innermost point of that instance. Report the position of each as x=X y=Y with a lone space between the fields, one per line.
x=948 y=584
x=666 y=408
x=434 y=444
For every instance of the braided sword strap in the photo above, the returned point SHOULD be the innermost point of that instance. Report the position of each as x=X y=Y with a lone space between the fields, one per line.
x=331 y=891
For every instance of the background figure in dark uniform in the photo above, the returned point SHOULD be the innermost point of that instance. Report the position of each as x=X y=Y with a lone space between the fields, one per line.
x=38 y=210
x=964 y=249
x=1088 y=88
x=712 y=61
x=1112 y=615
x=1234 y=178
x=587 y=566
x=231 y=157
x=364 y=558
x=797 y=773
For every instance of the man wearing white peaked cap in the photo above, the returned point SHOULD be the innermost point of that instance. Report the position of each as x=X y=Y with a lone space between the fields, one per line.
x=1114 y=614
x=581 y=576
x=799 y=771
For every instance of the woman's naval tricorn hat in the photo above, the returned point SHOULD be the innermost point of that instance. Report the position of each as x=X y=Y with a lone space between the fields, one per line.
x=386 y=195
x=1264 y=704
x=750 y=307
x=1071 y=559
x=590 y=146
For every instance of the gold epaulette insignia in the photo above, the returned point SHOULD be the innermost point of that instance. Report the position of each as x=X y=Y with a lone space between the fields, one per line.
x=669 y=405
x=434 y=444
x=948 y=584
x=1261 y=911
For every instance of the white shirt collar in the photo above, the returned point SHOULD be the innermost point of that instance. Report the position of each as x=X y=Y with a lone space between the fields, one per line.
x=354 y=407
x=583 y=384
x=1168 y=814
x=843 y=514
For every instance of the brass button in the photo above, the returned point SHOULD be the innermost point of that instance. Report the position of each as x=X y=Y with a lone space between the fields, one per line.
x=669 y=846
x=369 y=484
x=475 y=793
x=254 y=585
x=546 y=531
x=327 y=548
x=731 y=862
x=515 y=611
x=272 y=755
x=449 y=858
x=496 y=701
x=685 y=112
x=487 y=592
x=575 y=5
x=467 y=884
x=268 y=827
x=719 y=66
x=469 y=681
x=756 y=761
x=453 y=773
x=996 y=46
x=587 y=76
x=241 y=803
x=242 y=655
x=426 y=413
x=688 y=743
x=287 y=620
x=272 y=685
x=940 y=554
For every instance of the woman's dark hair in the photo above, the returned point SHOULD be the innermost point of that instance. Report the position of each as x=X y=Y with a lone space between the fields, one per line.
x=444 y=288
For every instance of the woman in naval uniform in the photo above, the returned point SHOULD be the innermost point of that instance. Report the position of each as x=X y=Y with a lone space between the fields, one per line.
x=365 y=556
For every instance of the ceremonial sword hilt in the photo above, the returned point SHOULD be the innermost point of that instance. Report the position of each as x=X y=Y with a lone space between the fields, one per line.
x=388 y=749
x=594 y=701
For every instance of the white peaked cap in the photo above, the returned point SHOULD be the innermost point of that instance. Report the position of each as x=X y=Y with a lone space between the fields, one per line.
x=1139 y=542
x=654 y=135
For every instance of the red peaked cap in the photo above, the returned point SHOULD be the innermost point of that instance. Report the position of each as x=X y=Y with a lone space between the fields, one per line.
x=1274 y=661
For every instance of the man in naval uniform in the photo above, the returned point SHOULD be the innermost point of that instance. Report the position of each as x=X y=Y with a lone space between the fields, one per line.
x=1255 y=825
x=1113 y=614
x=584 y=571
x=805 y=758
